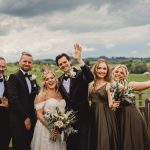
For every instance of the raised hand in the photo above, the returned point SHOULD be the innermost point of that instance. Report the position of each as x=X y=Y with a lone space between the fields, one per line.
x=77 y=53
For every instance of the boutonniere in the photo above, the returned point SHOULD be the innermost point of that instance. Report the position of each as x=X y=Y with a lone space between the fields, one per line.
x=72 y=73
x=33 y=77
x=6 y=78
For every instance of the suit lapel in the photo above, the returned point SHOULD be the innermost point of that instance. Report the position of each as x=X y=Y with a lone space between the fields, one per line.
x=71 y=85
x=20 y=74
x=72 y=82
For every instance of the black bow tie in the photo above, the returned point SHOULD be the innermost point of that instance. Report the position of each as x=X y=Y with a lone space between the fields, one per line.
x=66 y=77
x=27 y=75
x=1 y=79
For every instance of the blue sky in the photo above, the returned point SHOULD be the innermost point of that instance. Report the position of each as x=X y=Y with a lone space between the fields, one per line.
x=46 y=28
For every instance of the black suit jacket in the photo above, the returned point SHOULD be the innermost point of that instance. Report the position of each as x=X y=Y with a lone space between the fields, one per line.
x=77 y=98
x=21 y=102
x=4 y=111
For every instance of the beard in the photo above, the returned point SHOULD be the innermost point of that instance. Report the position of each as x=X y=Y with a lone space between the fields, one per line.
x=1 y=72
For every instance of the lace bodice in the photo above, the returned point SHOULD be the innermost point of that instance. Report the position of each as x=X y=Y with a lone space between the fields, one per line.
x=50 y=105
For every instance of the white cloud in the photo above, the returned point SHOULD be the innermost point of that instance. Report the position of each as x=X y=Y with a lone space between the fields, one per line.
x=134 y=52
x=112 y=27
x=148 y=44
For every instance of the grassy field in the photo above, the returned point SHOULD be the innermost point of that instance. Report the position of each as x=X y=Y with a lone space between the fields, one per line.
x=38 y=71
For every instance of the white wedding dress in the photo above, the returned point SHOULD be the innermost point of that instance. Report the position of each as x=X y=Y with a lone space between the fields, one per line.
x=41 y=137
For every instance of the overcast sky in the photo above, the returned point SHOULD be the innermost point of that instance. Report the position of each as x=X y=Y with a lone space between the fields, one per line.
x=46 y=28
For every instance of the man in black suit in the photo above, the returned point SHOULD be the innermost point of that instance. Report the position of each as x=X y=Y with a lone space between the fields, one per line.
x=22 y=89
x=4 y=117
x=73 y=85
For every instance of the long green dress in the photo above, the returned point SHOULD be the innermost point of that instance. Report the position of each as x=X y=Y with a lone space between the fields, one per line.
x=103 y=133
x=133 y=129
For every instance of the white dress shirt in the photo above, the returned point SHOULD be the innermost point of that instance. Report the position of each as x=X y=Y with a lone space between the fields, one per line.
x=66 y=84
x=28 y=81
x=2 y=87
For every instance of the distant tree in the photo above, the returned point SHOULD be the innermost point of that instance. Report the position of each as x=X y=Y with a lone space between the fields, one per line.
x=128 y=63
x=138 y=67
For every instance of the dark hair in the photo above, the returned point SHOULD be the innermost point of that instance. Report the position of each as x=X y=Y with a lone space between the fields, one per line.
x=2 y=58
x=60 y=56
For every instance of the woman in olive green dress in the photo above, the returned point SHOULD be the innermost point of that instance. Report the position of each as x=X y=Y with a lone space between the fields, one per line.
x=103 y=133
x=133 y=129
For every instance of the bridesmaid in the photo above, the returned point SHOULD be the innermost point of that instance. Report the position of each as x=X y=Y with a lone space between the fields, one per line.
x=103 y=133
x=133 y=130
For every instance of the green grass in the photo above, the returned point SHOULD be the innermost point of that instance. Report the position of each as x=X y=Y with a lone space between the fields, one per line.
x=139 y=77
x=38 y=71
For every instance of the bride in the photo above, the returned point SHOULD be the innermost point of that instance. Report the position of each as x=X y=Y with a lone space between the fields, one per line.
x=47 y=100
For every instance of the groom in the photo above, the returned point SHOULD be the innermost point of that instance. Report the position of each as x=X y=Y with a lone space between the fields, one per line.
x=22 y=90
x=73 y=85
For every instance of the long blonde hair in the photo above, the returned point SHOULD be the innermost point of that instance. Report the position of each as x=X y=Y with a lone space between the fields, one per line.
x=124 y=68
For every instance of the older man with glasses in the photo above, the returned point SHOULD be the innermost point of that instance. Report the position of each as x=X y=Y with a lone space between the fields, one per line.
x=4 y=118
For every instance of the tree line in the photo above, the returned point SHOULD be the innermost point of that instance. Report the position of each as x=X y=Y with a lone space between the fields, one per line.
x=134 y=64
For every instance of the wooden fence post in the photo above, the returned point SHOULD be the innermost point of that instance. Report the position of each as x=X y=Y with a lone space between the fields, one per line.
x=139 y=101
x=147 y=114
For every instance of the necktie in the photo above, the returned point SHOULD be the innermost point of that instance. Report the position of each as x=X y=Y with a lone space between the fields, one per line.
x=66 y=77
x=28 y=81
x=27 y=75
x=1 y=79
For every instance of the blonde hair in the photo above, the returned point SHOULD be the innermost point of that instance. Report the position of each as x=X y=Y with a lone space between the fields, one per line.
x=45 y=73
x=124 y=68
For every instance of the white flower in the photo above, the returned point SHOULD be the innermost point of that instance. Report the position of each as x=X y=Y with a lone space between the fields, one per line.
x=62 y=111
x=33 y=77
x=72 y=73
x=47 y=114
x=121 y=86
x=121 y=91
x=61 y=120
x=59 y=124
x=6 y=78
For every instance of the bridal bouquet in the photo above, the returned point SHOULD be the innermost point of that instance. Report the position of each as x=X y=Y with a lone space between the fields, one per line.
x=61 y=121
x=121 y=91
